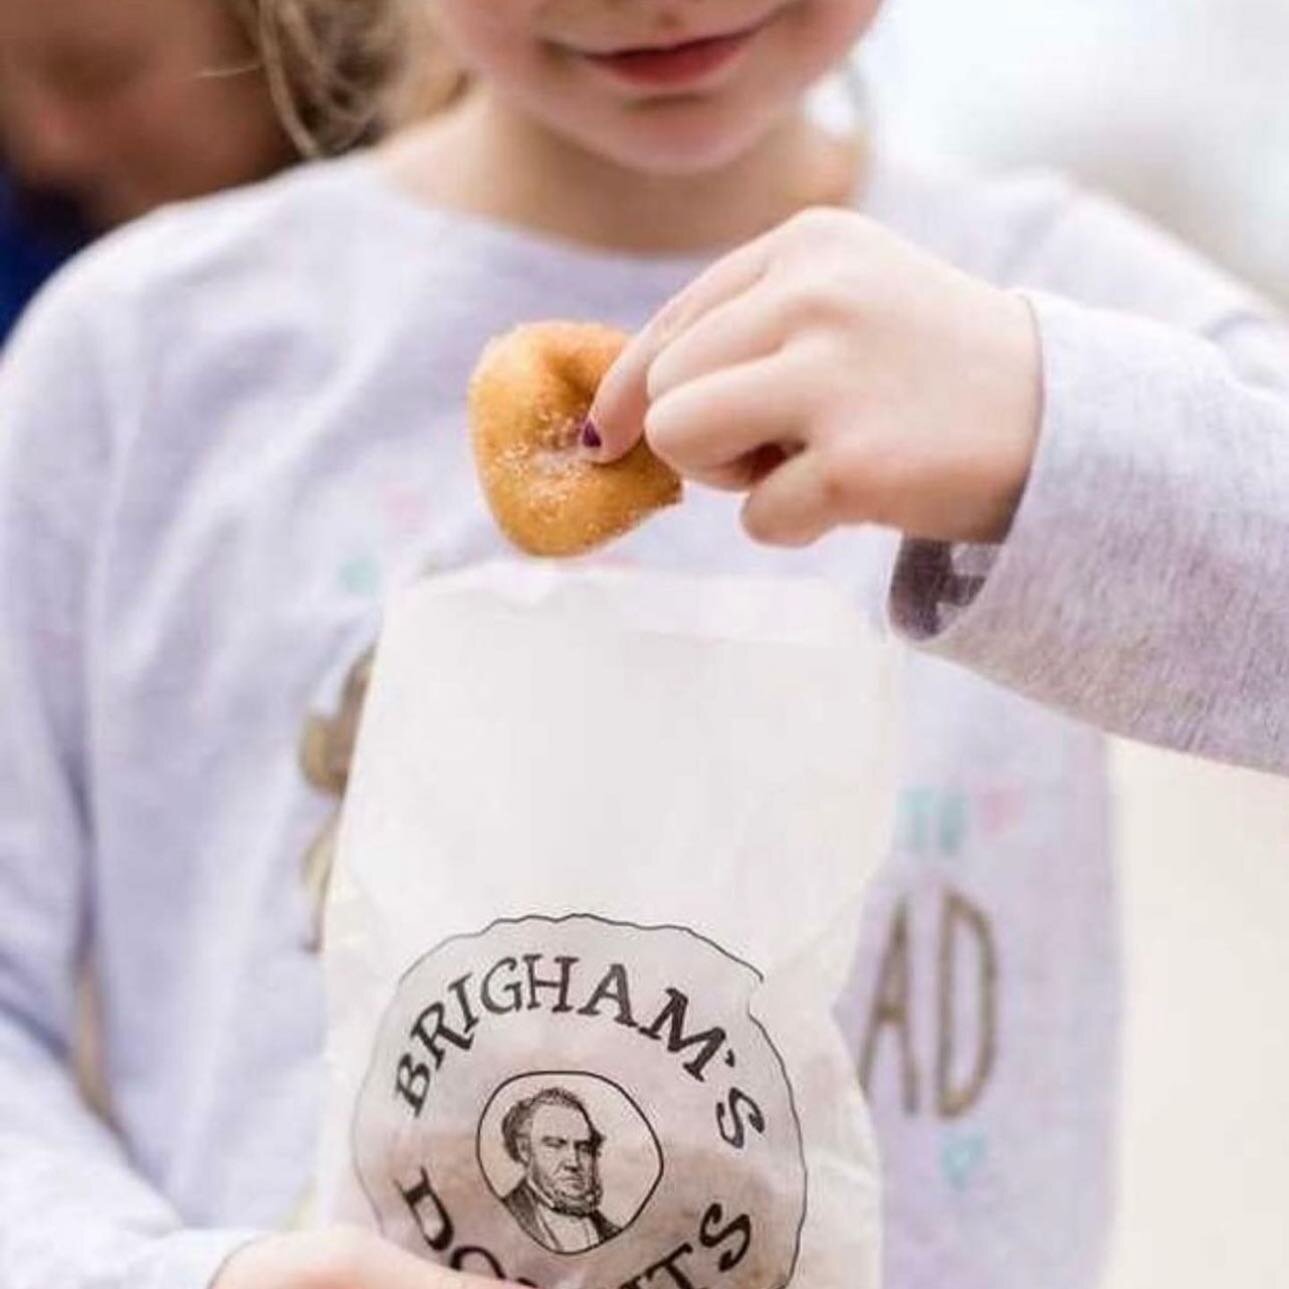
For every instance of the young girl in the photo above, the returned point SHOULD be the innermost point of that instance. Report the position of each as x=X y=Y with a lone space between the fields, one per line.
x=1051 y=441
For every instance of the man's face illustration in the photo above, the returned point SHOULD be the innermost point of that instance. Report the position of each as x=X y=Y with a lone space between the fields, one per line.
x=561 y=1159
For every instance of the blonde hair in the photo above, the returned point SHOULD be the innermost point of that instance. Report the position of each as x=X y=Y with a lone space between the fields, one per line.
x=343 y=72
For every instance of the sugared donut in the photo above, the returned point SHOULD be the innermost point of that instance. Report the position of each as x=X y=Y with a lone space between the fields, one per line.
x=528 y=398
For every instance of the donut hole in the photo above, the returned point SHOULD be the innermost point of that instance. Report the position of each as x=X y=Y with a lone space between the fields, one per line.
x=529 y=398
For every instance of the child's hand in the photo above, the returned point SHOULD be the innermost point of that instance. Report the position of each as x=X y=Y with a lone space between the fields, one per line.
x=839 y=376
x=336 y=1258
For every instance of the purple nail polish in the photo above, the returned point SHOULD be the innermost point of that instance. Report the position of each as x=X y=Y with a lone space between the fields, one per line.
x=590 y=435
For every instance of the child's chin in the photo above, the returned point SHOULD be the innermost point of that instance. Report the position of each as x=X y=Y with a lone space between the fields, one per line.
x=677 y=140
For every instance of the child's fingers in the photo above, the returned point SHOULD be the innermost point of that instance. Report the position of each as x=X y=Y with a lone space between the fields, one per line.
x=745 y=473
x=400 y=1270
x=340 y=1257
x=803 y=498
x=712 y=423
x=738 y=330
x=618 y=410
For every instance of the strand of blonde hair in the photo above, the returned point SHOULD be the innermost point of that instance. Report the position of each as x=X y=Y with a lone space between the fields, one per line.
x=342 y=72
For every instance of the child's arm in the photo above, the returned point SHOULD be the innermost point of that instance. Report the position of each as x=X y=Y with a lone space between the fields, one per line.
x=1114 y=492
x=1144 y=586
x=73 y=1211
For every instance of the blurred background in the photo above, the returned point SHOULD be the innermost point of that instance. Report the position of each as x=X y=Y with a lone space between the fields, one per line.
x=1176 y=106
x=109 y=108
x=1179 y=108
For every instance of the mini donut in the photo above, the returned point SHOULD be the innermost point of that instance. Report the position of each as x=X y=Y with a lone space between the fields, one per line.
x=528 y=399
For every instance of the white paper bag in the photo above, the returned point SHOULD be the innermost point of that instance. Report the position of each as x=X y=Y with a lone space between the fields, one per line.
x=596 y=892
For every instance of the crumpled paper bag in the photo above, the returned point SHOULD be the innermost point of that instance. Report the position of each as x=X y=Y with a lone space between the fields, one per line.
x=597 y=889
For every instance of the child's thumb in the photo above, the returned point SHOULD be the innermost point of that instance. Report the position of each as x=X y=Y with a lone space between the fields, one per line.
x=616 y=419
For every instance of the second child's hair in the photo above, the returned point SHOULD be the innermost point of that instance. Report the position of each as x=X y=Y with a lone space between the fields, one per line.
x=342 y=72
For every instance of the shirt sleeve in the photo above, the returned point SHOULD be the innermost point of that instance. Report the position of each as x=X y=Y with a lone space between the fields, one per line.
x=1144 y=585
x=74 y=1213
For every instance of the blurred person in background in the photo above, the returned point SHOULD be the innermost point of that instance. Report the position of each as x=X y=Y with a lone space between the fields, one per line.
x=36 y=235
x=110 y=108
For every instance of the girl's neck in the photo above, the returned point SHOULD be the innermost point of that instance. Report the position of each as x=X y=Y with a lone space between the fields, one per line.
x=484 y=158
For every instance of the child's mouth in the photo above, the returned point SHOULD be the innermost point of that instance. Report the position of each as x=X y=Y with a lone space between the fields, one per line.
x=675 y=65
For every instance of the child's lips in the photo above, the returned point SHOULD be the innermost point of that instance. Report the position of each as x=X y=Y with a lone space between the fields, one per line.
x=675 y=65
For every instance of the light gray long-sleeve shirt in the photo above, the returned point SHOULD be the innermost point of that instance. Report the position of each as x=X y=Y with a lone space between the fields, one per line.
x=225 y=432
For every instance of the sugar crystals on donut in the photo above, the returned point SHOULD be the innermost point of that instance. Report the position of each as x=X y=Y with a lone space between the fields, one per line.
x=528 y=399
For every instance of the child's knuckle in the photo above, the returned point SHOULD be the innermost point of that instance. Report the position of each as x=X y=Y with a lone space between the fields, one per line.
x=812 y=223
x=340 y=1258
x=760 y=523
x=845 y=476
x=834 y=481
x=812 y=303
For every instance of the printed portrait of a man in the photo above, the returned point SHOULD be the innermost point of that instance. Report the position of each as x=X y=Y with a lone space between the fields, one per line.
x=557 y=1201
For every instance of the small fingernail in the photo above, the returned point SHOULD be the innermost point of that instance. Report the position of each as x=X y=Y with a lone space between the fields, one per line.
x=590 y=435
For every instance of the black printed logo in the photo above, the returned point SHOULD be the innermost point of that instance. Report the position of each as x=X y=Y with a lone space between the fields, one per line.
x=566 y=1089
x=570 y=1155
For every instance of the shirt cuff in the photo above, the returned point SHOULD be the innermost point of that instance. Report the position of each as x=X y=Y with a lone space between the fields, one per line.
x=1021 y=609
x=934 y=583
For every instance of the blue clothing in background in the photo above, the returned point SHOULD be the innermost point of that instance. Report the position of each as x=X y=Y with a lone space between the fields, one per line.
x=30 y=250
